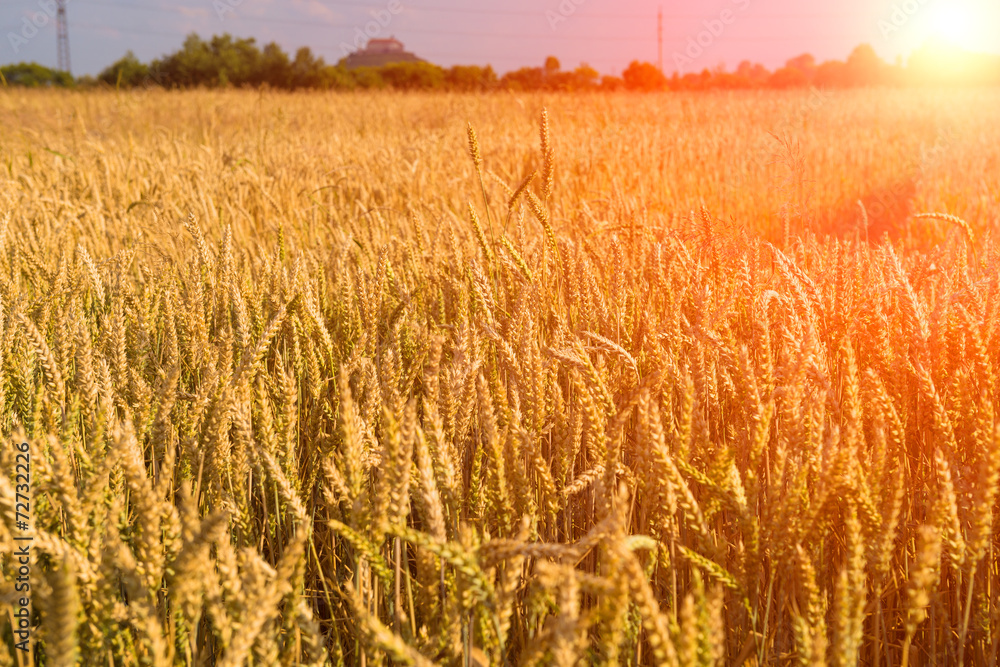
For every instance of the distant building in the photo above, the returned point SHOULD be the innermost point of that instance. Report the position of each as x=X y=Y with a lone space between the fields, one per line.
x=380 y=46
x=379 y=52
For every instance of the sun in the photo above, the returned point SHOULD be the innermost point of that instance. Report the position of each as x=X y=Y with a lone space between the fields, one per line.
x=955 y=23
x=972 y=25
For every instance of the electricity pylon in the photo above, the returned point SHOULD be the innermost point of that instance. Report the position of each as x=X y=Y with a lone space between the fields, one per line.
x=62 y=34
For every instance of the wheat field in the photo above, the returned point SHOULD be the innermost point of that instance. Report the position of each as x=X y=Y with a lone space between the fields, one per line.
x=387 y=379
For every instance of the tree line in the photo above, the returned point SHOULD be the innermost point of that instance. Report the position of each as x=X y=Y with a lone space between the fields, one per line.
x=227 y=61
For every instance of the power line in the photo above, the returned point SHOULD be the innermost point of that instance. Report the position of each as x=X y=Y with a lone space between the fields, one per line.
x=462 y=33
x=507 y=57
x=493 y=12
x=456 y=33
x=348 y=26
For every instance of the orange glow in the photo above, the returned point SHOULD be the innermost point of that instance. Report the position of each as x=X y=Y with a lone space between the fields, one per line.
x=941 y=62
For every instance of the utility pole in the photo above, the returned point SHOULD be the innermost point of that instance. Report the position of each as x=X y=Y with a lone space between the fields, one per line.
x=62 y=35
x=659 y=39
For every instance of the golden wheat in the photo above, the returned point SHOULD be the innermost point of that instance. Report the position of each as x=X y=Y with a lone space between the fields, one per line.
x=293 y=398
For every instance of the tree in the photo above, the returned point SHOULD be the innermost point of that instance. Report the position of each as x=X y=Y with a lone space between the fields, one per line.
x=864 y=67
x=731 y=81
x=235 y=61
x=526 y=78
x=612 y=83
x=643 y=76
x=586 y=76
x=127 y=72
x=832 y=74
x=788 y=77
x=33 y=75
x=754 y=73
x=224 y=60
x=804 y=63
x=338 y=78
x=470 y=78
x=191 y=66
x=221 y=61
x=368 y=77
x=413 y=76
x=274 y=67
x=307 y=69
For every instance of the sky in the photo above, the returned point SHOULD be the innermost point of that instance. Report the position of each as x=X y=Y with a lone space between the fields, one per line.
x=508 y=34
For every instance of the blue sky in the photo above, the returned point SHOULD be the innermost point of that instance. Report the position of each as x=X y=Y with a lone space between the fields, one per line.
x=507 y=33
